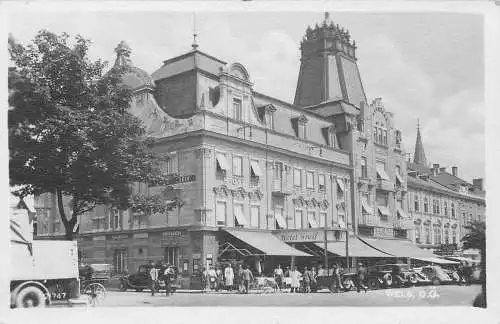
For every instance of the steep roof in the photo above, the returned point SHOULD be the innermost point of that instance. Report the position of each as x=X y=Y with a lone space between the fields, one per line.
x=419 y=156
x=187 y=62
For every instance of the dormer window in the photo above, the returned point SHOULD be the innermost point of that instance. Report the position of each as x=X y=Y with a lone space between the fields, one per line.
x=330 y=136
x=299 y=125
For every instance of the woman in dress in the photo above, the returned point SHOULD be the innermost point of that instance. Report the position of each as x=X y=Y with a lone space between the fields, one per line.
x=229 y=275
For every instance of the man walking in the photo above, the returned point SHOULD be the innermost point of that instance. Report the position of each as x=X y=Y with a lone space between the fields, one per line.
x=307 y=280
x=278 y=276
x=247 y=276
x=295 y=277
x=360 y=278
x=169 y=278
x=153 y=274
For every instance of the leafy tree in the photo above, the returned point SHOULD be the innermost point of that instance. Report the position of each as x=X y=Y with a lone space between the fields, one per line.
x=69 y=130
x=476 y=239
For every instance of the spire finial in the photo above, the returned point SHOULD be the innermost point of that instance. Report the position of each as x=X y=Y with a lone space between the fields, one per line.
x=194 y=45
x=419 y=156
x=418 y=124
x=327 y=15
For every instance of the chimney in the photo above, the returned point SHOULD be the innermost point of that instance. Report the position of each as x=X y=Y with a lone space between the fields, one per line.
x=454 y=171
x=442 y=169
x=478 y=183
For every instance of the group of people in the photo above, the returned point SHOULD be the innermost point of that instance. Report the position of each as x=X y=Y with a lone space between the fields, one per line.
x=166 y=274
x=228 y=277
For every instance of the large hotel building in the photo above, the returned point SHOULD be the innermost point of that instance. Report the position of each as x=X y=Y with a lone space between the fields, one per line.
x=259 y=179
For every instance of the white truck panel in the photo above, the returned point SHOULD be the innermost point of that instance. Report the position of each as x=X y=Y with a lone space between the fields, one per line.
x=50 y=260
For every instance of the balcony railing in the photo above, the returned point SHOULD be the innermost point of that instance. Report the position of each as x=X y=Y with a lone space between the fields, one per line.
x=280 y=187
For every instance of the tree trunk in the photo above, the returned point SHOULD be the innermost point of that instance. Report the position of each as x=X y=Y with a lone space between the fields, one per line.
x=68 y=228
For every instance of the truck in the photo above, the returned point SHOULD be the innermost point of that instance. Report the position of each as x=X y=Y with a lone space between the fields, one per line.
x=43 y=272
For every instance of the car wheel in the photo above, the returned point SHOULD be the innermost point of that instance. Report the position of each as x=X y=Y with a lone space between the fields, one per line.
x=413 y=279
x=332 y=288
x=388 y=280
x=348 y=284
x=30 y=297
x=436 y=281
x=373 y=283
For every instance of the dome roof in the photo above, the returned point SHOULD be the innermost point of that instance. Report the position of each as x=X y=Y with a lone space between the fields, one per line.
x=134 y=77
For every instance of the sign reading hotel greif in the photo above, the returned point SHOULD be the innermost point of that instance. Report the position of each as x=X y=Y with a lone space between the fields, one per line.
x=313 y=235
x=177 y=178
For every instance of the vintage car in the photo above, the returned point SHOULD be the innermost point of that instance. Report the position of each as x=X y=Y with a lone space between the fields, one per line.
x=435 y=274
x=95 y=272
x=381 y=276
x=141 y=280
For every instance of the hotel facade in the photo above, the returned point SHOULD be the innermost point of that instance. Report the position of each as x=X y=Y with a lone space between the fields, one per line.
x=258 y=179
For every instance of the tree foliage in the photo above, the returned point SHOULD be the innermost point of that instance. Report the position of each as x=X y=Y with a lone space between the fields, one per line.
x=69 y=129
x=476 y=239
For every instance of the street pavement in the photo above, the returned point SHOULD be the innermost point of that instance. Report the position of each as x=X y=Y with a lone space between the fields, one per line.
x=450 y=295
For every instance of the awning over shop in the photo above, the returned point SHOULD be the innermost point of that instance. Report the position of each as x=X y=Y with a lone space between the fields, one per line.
x=240 y=217
x=402 y=213
x=437 y=260
x=368 y=209
x=398 y=248
x=256 y=168
x=340 y=184
x=221 y=159
x=357 y=248
x=384 y=211
x=265 y=242
x=381 y=173
x=312 y=221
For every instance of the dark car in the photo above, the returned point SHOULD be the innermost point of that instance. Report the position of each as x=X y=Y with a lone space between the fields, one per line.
x=436 y=275
x=141 y=279
x=382 y=276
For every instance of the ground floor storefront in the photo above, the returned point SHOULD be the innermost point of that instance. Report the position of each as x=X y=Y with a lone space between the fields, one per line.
x=192 y=250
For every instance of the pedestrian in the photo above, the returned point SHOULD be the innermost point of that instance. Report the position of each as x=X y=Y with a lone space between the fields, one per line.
x=220 y=278
x=467 y=273
x=360 y=278
x=204 y=280
x=229 y=276
x=212 y=278
x=169 y=278
x=278 y=277
x=239 y=275
x=307 y=280
x=295 y=276
x=397 y=276
x=247 y=276
x=321 y=271
x=153 y=275
x=460 y=272
x=337 y=276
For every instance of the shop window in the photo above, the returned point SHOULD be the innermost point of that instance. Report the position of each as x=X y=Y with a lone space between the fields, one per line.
x=237 y=109
x=310 y=180
x=171 y=256
x=120 y=261
x=220 y=213
x=297 y=177
x=321 y=182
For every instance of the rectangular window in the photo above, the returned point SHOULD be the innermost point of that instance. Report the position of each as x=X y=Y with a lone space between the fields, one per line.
x=220 y=213
x=427 y=234
x=171 y=256
x=302 y=130
x=298 y=219
x=364 y=169
x=311 y=219
x=239 y=212
x=417 y=234
x=416 y=203
x=382 y=198
x=322 y=219
x=385 y=137
x=238 y=112
x=270 y=119
x=426 y=205
x=453 y=210
x=310 y=180
x=278 y=215
x=321 y=182
x=297 y=177
x=120 y=261
x=254 y=215
x=277 y=170
x=238 y=166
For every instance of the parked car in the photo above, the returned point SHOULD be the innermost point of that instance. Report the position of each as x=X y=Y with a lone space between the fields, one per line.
x=141 y=279
x=436 y=274
x=381 y=276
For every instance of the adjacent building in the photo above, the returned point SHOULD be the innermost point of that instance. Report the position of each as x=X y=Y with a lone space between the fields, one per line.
x=440 y=203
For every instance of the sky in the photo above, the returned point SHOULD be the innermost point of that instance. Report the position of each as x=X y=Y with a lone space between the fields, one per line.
x=426 y=66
